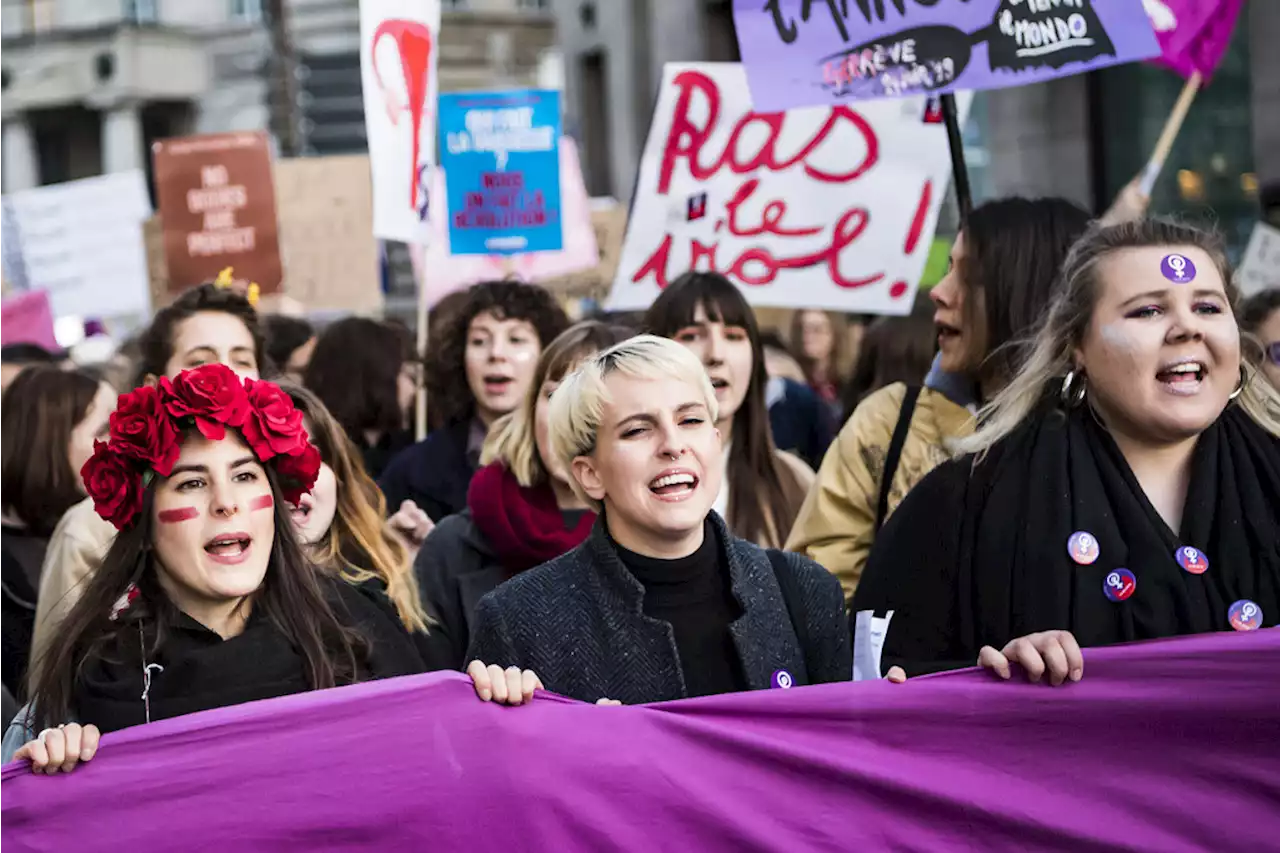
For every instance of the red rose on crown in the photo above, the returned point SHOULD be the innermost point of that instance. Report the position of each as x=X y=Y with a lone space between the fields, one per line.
x=213 y=394
x=298 y=473
x=147 y=431
x=274 y=426
x=141 y=431
x=114 y=483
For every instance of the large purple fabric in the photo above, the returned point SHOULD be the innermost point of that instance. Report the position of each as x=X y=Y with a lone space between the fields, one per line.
x=1166 y=746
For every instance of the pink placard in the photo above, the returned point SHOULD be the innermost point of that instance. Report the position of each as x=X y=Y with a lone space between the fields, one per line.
x=1193 y=34
x=28 y=319
x=443 y=273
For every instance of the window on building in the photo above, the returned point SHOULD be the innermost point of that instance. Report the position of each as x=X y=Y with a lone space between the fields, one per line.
x=246 y=10
x=535 y=5
x=455 y=4
x=141 y=11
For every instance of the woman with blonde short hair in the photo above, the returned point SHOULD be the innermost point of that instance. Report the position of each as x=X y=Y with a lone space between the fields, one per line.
x=661 y=601
x=521 y=509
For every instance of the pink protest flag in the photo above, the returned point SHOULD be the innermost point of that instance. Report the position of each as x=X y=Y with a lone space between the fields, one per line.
x=1194 y=36
x=28 y=319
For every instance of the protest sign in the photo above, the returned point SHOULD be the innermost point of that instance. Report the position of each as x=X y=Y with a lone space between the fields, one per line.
x=399 y=51
x=1193 y=34
x=444 y=273
x=1260 y=268
x=1168 y=746
x=499 y=154
x=82 y=242
x=330 y=255
x=218 y=209
x=27 y=318
x=827 y=207
x=800 y=53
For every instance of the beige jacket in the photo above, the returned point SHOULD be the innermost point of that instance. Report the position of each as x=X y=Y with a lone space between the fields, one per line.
x=76 y=549
x=836 y=525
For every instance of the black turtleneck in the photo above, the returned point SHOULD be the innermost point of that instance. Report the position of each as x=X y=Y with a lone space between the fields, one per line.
x=693 y=594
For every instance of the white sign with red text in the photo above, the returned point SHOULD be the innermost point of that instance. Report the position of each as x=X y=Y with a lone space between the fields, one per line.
x=825 y=207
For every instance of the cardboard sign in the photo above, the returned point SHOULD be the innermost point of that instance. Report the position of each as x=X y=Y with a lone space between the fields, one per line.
x=218 y=209
x=26 y=318
x=399 y=51
x=329 y=255
x=817 y=208
x=499 y=152
x=445 y=273
x=801 y=53
x=82 y=242
x=1193 y=34
x=1260 y=268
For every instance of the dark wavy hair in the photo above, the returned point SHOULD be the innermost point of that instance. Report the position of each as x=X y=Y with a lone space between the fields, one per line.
x=354 y=370
x=763 y=494
x=156 y=343
x=1014 y=249
x=892 y=350
x=449 y=397
x=290 y=597
x=284 y=334
x=41 y=408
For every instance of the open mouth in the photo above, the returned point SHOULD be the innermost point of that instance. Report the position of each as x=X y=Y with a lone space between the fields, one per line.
x=719 y=385
x=497 y=384
x=229 y=548
x=301 y=512
x=946 y=332
x=1184 y=377
x=674 y=485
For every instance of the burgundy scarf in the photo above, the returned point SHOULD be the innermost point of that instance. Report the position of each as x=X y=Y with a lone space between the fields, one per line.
x=524 y=526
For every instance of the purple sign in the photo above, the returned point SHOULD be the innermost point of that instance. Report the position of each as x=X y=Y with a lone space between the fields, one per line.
x=806 y=52
x=1171 y=746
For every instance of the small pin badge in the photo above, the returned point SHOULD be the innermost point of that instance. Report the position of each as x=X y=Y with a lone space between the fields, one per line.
x=1120 y=584
x=1178 y=268
x=697 y=207
x=1245 y=615
x=1083 y=548
x=782 y=679
x=1192 y=560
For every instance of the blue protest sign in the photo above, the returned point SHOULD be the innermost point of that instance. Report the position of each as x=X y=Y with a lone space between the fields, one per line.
x=501 y=161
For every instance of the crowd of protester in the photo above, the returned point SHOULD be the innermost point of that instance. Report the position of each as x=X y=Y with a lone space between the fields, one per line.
x=1062 y=446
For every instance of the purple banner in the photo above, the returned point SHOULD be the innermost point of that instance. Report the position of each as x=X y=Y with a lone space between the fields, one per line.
x=1193 y=34
x=1168 y=746
x=804 y=53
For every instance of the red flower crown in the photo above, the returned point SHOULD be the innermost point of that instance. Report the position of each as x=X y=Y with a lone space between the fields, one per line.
x=148 y=424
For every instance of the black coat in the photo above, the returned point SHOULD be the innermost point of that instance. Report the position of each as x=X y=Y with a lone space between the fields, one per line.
x=455 y=569
x=434 y=473
x=578 y=622
x=21 y=562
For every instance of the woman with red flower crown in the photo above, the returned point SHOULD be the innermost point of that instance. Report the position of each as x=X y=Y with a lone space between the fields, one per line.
x=205 y=598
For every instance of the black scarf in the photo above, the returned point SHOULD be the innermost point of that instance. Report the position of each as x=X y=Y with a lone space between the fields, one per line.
x=200 y=671
x=1061 y=474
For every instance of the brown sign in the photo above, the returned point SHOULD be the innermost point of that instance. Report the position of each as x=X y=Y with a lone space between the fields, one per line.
x=218 y=209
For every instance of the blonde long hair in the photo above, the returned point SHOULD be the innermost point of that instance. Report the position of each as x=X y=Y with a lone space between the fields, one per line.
x=1064 y=327
x=358 y=544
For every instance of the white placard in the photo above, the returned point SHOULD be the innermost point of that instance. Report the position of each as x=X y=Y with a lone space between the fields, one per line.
x=1260 y=267
x=82 y=242
x=399 y=48
x=826 y=207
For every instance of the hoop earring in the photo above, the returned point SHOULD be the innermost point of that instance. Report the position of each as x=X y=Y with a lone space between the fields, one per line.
x=1073 y=388
x=1244 y=380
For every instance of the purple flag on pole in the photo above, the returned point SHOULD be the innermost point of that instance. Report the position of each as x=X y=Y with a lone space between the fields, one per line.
x=1194 y=34
x=803 y=53
x=1168 y=746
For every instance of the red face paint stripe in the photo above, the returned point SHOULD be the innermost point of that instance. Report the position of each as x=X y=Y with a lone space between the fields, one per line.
x=263 y=502
x=173 y=516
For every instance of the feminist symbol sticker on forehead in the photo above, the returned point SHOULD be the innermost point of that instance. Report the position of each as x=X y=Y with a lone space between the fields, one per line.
x=1178 y=268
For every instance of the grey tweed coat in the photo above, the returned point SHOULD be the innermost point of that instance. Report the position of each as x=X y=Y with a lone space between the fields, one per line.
x=578 y=622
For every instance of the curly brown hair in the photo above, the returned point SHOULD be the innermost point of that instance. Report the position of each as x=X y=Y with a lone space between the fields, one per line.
x=448 y=394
